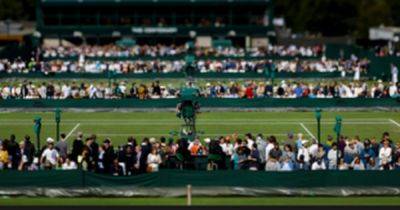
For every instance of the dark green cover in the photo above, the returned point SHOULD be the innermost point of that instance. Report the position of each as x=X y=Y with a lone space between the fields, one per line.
x=205 y=102
x=177 y=178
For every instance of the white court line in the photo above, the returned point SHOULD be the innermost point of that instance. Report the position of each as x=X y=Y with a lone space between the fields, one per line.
x=308 y=131
x=394 y=122
x=72 y=131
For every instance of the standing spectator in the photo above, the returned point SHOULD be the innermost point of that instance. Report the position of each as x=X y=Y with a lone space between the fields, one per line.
x=144 y=152
x=29 y=150
x=288 y=153
x=50 y=156
x=385 y=154
x=77 y=146
x=62 y=147
x=367 y=153
x=332 y=157
x=129 y=159
x=12 y=149
x=395 y=73
x=94 y=148
x=254 y=158
x=270 y=146
x=303 y=155
x=109 y=156
x=276 y=152
x=153 y=161
x=3 y=157
x=261 y=146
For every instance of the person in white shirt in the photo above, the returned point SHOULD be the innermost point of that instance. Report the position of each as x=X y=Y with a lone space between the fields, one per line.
x=69 y=165
x=332 y=157
x=385 y=153
x=357 y=72
x=50 y=155
x=153 y=161
x=313 y=149
x=318 y=165
x=249 y=140
x=395 y=73
x=270 y=146
x=303 y=151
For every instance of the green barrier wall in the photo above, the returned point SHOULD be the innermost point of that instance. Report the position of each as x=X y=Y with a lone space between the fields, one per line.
x=204 y=102
x=176 y=178
x=176 y=75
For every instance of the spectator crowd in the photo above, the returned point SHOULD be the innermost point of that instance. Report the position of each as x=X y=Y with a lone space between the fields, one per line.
x=225 y=152
x=351 y=66
x=161 y=50
x=216 y=89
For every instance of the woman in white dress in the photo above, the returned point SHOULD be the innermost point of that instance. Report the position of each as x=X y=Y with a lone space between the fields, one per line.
x=153 y=161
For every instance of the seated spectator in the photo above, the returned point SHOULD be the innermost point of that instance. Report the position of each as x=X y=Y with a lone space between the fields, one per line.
x=319 y=164
x=272 y=165
x=357 y=164
x=397 y=163
x=343 y=165
x=69 y=164
x=287 y=164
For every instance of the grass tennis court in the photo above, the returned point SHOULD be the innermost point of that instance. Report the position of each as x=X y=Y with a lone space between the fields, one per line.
x=119 y=125
x=230 y=201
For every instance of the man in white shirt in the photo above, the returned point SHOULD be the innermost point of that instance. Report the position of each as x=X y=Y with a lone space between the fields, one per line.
x=332 y=157
x=50 y=155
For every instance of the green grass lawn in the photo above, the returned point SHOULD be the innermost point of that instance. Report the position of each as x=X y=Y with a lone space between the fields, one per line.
x=119 y=125
x=226 y=201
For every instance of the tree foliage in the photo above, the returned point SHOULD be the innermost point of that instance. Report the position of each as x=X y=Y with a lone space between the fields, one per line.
x=338 y=17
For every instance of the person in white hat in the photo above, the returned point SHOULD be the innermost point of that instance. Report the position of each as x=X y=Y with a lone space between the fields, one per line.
x=50 y=156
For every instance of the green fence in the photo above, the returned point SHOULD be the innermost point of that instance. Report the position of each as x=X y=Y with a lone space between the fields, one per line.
x=205 y=102
x=177 y=178
x=176 y=75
